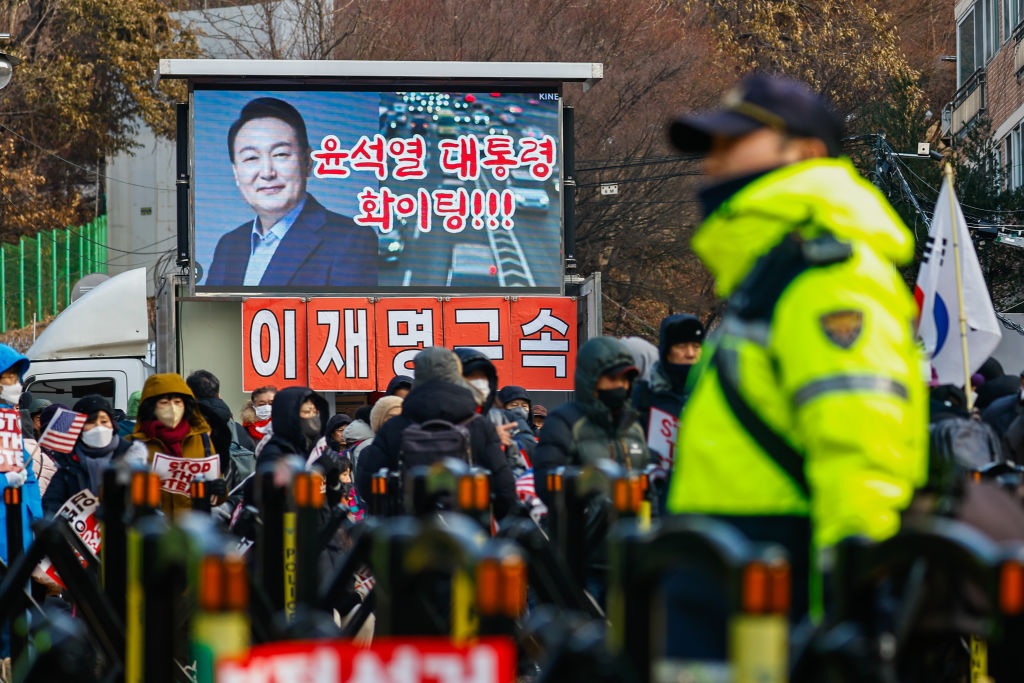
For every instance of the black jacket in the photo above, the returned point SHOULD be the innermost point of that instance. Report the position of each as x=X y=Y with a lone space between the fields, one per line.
x=218 y=416
x=72 y=476
x=1002 y=412
x=585 y=430
x=288 y=438
x=440 y=400
x=659 y=389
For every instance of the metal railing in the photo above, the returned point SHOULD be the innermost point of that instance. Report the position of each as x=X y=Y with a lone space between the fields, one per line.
x=969 y=101
x=37 y=273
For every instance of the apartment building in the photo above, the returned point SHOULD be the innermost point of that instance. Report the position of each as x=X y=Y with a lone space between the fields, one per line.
x=990 y=77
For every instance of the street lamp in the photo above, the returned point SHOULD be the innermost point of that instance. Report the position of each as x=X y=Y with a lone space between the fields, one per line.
x=7 y=63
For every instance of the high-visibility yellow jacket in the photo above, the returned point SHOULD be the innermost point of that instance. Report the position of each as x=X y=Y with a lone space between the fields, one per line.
x=820 y=348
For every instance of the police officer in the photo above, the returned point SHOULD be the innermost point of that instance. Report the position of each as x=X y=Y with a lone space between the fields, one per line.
x=807 y=423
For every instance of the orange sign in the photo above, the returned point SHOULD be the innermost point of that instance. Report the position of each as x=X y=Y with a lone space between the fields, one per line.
x=353 y=344
x=544 y=343
x=342 y=344
x=273 y=343
x=481 y=323
x=404 y=328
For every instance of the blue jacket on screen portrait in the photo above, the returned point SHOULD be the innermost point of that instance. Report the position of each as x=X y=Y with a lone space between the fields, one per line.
x=321 y=249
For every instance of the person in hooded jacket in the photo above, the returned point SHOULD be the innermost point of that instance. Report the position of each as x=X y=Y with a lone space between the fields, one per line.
x=481 y=375
x=600 y=423
x=517 y=405
x=15 y=365
x=399 y=386
x=440 y=393
x=169 y=422
x=358 y=435
x=297 y=421
x=97 y=447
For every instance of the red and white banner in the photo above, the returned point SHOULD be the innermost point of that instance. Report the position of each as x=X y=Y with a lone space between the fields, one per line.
x=661 y=437
x=274 y=343
x=407 y=660
x=356 y=344
x=12 y=455
x=176 y=474
x=80 y=511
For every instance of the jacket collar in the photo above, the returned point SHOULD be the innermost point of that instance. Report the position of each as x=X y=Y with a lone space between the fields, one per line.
x=810 y=198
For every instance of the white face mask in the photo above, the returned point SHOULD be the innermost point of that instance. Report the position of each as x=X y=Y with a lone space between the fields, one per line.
x=482 y=387
x=170 y=414
x=98 y=437
x=263 y=412
x=11 y=393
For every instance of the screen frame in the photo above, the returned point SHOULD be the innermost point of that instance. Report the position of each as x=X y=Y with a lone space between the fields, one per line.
x=374 y=84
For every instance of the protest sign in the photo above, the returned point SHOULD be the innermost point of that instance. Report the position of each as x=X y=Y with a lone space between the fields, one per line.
x=661 y=437
x=12 y=457
x=176 y=474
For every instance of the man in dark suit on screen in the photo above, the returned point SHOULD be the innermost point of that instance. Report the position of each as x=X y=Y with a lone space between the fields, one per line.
x=293 y=241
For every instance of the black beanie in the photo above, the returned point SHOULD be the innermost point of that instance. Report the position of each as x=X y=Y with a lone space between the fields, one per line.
x=94 y=403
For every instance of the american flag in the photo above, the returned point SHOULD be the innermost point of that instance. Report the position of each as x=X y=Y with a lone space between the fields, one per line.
x=524 y=486
x=62 y=432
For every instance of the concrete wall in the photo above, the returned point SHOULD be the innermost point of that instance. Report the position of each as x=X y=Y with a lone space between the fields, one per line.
x=211 y=339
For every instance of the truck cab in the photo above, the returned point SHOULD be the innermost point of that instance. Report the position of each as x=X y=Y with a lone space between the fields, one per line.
x=97 y=345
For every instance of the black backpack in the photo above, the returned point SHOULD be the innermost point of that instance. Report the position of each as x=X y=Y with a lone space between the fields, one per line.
x=428 y=442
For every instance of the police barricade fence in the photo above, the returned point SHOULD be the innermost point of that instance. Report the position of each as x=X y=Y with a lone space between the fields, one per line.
x=170 y=600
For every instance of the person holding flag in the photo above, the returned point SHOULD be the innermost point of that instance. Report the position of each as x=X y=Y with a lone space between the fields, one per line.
x=15 y=461
x=807 y=419
x=94 y=445
x=958 y=324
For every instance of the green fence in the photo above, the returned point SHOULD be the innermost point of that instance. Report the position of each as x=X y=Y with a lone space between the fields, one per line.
x=37 y=273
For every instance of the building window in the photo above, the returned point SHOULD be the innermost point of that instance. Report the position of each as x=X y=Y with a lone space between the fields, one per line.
x=1015 y=158
x=1013 y=12
x=977 y=38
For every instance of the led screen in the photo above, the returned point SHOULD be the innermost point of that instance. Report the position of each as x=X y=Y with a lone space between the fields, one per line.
x=327 y=190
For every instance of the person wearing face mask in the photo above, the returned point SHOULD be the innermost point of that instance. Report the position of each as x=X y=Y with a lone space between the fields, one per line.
x=297 y=421
x=600 y=423
x=664 y=386
x=169 y=422
x=256 y=413
x=517 y=406
x=15 y=366
x=482 y=377
x=98 y=446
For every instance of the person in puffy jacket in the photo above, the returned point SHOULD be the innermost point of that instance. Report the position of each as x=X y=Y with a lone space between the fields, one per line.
x=98 y=446
x=600 y=423
x=169 y=422
x=439 y=392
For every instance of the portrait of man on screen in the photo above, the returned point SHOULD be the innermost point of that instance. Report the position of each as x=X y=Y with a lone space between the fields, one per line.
x=291 y=240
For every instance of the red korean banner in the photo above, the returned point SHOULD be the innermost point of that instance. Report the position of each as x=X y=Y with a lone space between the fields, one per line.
x=406 y=660
x=544 y=343
x=273 y=343
x=351 y=344
x=481 y=323
x=342 y=345
x=404 y=328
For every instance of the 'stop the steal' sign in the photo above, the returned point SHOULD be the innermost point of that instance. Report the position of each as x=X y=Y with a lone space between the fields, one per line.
x=12 y=455
x=356 y=344
x=176 y=474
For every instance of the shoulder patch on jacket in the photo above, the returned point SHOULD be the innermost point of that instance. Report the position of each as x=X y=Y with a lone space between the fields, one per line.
x=843 y=327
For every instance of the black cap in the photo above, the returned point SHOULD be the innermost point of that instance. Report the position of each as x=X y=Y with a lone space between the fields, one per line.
x=761 y=100
x=620 y=369
x=92 y=404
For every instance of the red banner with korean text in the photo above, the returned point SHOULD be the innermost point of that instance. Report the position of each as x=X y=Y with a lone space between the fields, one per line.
x=353 y=344
x=342 y=344
x=404 y=328
x=481 y=323
x=273 y=343
x=544 y=343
